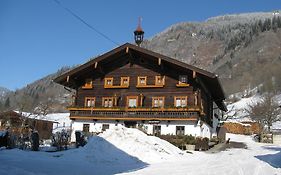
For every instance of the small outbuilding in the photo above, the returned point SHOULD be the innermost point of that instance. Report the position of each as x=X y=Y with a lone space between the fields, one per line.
x=16 y=122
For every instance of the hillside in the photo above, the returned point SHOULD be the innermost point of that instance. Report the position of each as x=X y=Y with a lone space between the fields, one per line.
x=243 y=49
x=41 y=92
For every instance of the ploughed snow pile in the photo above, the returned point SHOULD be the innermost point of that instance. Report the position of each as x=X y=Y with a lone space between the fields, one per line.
x=98 y=150
x=149 y=149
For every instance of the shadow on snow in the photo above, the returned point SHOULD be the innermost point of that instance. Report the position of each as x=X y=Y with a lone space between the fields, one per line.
x=272 y=159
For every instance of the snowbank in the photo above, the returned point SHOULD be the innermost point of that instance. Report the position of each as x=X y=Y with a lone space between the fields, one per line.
x=148 y=149
x=120 y=144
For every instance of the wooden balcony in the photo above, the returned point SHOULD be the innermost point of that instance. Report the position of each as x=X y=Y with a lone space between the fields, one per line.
x=190 y=113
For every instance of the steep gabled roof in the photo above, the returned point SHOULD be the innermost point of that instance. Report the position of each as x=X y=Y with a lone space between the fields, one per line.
x=209 y=79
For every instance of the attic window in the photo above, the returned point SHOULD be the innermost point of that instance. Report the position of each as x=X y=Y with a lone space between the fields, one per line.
x=125 y=81
x=88 y=84
x=183 y=79
x=108 y=82
x=142 y=81
x=159 y=80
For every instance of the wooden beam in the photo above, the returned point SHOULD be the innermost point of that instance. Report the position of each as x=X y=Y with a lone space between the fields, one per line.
x=194 y=118
x=159 y=61
x=194 y=74
x=67 y=79
x=127 y=49
x=96 y=65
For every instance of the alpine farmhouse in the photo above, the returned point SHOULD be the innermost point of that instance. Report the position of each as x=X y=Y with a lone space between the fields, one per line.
x=135 y=87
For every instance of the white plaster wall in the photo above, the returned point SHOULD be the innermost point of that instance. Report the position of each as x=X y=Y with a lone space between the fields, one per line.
x=191 y=127
x=95 y=126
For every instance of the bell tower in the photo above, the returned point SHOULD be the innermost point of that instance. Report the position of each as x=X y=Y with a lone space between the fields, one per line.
x=139 y=33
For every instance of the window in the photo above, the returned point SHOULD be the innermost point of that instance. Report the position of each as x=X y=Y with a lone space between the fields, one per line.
x=105 y=127
x=107 y=102
x=180 y=101
x=125 y=81
x=86 y=127
x=156 y=130
x=158 y=102
x=183 y=79
x=132 y=101
x=108 y=82
x=159 y=80
x=88 y=84
x=142 y=81
x=179 y=130
x=90 y=102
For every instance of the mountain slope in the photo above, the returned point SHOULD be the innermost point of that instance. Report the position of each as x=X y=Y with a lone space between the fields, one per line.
x=243 y=49
x=41 y=92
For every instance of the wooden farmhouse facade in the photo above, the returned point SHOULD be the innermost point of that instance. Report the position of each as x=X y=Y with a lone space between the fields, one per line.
x=135 y=87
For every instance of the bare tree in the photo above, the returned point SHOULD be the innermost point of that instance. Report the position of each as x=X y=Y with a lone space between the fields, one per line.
x=43 y=108
x=229 y=114
x=266 y=111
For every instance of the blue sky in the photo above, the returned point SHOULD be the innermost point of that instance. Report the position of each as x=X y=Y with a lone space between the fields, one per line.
x=37 y=37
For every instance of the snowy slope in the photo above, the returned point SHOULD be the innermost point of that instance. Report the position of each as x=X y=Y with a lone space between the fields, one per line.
x=102 y=157
x=238 y=109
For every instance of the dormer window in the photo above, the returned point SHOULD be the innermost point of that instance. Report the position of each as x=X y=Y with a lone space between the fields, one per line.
x=88 y=84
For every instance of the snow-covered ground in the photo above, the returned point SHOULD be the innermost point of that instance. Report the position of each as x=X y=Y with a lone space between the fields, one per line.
x=128 y=151
x=258 y=159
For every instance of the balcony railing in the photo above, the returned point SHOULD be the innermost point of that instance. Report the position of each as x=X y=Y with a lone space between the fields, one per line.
x=144 y=113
